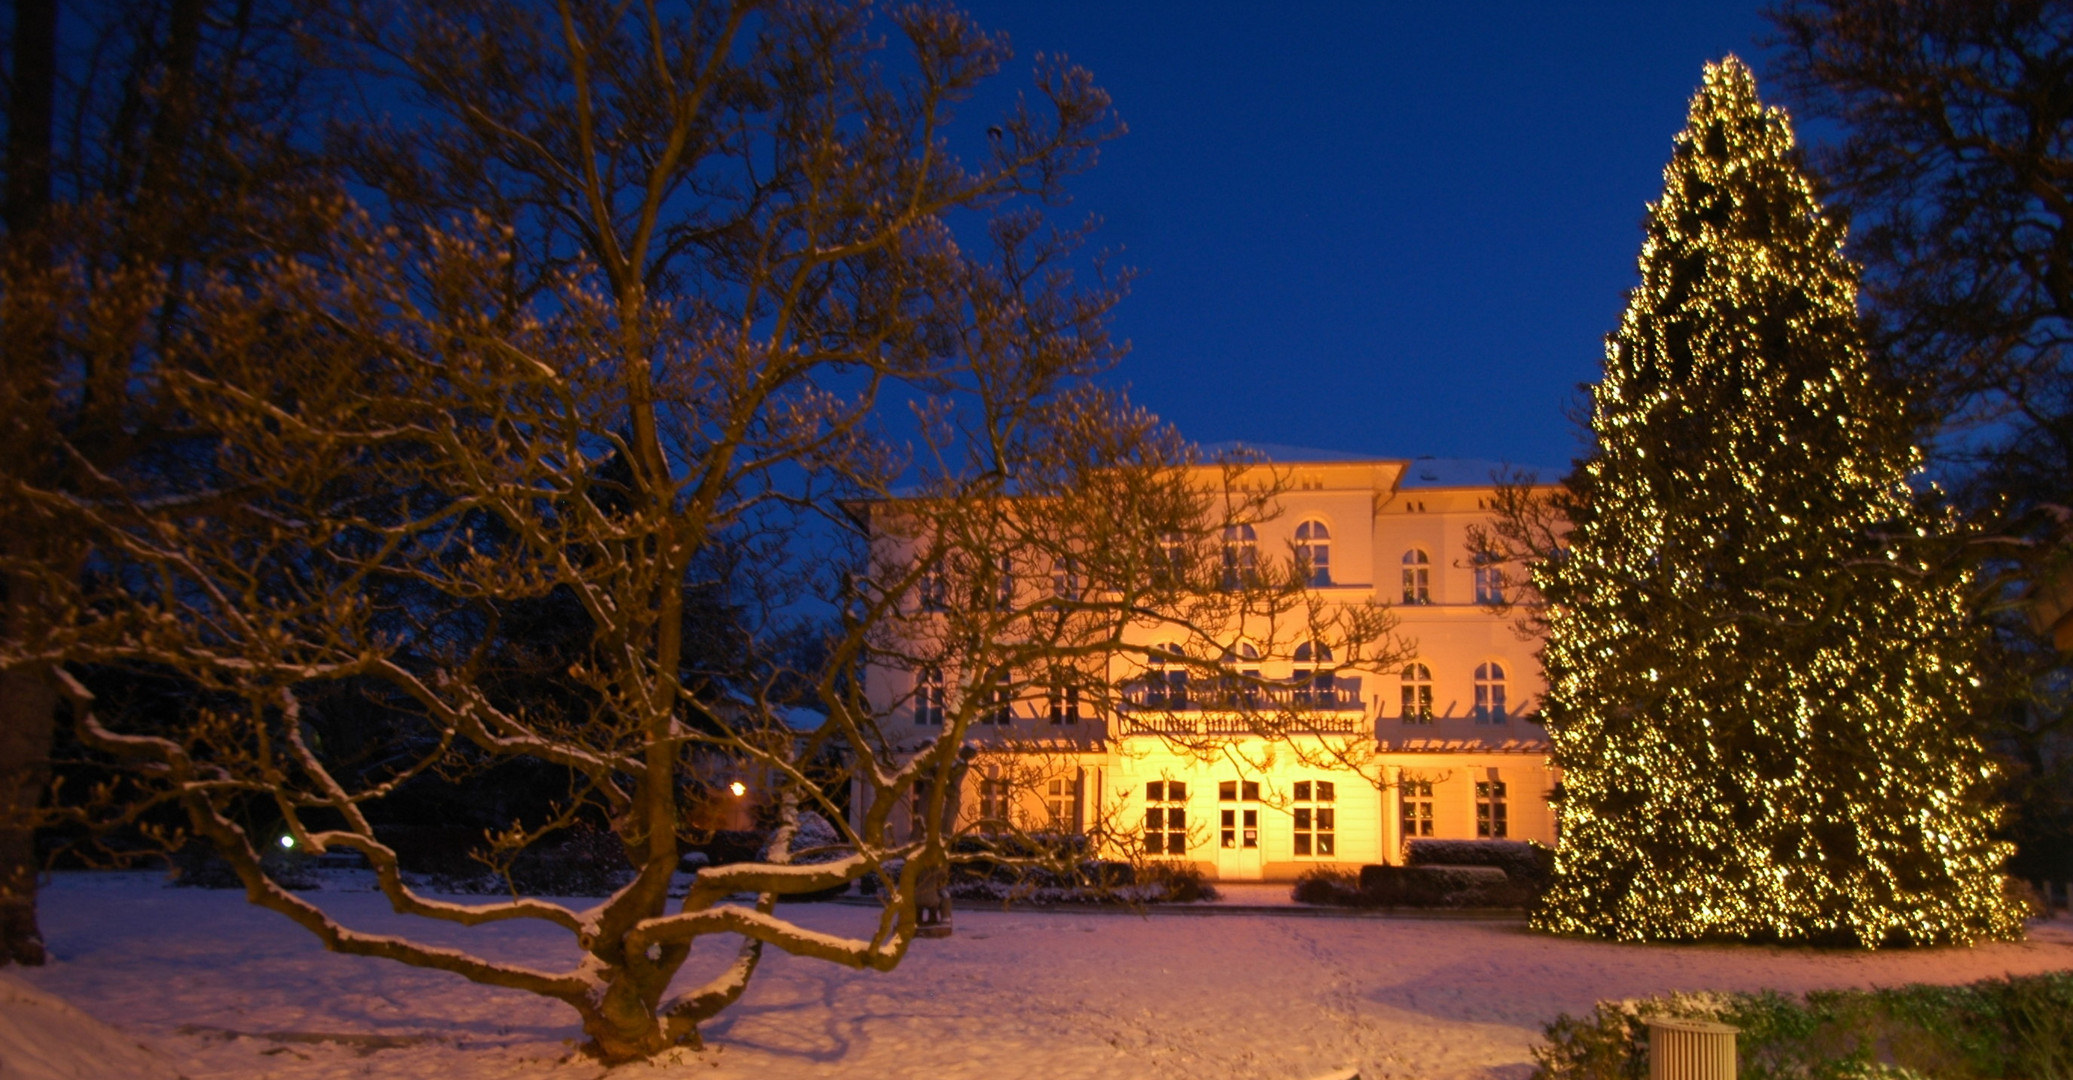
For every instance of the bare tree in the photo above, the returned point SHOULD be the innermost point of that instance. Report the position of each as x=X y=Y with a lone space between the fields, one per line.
x=634 y=286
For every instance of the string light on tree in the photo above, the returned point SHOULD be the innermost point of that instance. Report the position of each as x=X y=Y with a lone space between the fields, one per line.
x=1757 y=682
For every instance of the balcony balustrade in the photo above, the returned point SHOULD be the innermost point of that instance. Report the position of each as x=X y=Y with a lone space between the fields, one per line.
x=1328 y=706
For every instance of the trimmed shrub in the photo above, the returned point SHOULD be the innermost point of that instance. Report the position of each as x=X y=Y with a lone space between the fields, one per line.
x=2015 y=1027
x=1439 y=887
x=1526 y=863
x=1327 y=885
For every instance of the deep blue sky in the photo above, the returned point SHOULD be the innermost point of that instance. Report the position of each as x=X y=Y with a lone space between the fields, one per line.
x=1393 y=228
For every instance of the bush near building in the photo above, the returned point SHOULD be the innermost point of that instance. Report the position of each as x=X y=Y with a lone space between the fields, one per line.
x=2015 y=1027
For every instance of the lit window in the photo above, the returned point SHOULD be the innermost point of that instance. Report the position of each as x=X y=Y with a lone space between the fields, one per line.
x=1241 y=557
x=1414 y=801
x=1490 y=818
x=1065 y=578
x=1061 y=797
x=1166 y=818
x=1417 y=577
x=1239 y=826
x=993 y=802
x=1313 y=684
x=1489 y=693
x=1166 y=683
x=1314 y=552
x=1489 y=579
x=1064 y=698
x=1314 y=818
x=928 y=697
x=1001 y=698
x=1417 y=689
x=932 y=591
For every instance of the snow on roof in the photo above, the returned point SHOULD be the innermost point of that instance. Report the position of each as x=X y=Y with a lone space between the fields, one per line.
x=799 y=717
x=1431 y=472
x=1281 y=454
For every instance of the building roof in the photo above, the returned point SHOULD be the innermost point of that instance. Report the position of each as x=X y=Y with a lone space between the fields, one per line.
x=1419 y=472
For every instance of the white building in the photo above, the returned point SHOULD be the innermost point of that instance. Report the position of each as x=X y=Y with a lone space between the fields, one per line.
x=1442 y=740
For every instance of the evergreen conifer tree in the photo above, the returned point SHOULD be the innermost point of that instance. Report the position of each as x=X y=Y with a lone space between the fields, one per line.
x=1757 y=690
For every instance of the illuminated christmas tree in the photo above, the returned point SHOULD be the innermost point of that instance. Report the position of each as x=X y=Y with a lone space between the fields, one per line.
x=1757 y=688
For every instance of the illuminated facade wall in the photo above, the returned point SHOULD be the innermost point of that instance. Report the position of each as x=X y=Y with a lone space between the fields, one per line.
x=1451 y=751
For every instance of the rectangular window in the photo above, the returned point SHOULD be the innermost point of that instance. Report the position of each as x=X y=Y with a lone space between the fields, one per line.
x=1065 y=700
x=1166 y=818
x=932 y=593
x=1061 y=798
x=1414 y=800
x=1417 y=585
x=1065 y=579
x=1315 y=818
x=993 y=801
x=1417 y=703
x=1490 y=816
x=1489 y=585
x=1001 y=707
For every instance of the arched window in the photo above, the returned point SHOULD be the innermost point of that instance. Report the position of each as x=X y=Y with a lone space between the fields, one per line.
x=1241 y=557
x=1489 y=579
x=1314 y=552
x=1242 y=683
x=1313 y=677
x=1166 y=683
x=1489 y=693
x=1417 y=684
x=1417 y=577
x=928 y=697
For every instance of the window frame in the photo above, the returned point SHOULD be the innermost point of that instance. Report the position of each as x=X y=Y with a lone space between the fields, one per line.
x=1417 y=576
x=1314 y=552
x=1493 y=821
x=1000 y=698
x=1165 y=818
x=1491 y=693
x=1415 y=683
x=928 y=696
x=1414 y=803
x=1489 y=579
x=1241 y=557
x=1313 y=807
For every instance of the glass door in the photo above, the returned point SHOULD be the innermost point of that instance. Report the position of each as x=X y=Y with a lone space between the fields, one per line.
x=1238 y=829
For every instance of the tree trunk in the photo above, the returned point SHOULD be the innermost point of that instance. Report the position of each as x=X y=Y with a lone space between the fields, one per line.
x=28 y=702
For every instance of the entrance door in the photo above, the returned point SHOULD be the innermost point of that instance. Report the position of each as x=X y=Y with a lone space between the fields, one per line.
x=1238 y=830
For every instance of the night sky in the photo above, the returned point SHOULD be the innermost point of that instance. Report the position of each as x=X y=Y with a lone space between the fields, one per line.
x=1397 y=229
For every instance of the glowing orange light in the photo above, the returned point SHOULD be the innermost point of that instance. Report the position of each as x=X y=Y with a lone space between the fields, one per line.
x=738 y=788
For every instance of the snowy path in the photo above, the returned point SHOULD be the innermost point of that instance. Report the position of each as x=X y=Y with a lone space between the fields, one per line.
x=226 y=991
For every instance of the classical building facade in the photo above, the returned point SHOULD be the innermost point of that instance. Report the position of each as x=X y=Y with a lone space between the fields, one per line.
x=1300 y=758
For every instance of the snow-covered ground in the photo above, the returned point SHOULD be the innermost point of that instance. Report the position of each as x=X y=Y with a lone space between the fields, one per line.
x=222 y=990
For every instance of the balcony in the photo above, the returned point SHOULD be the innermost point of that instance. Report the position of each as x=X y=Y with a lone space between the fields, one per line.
x=1327 y=706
